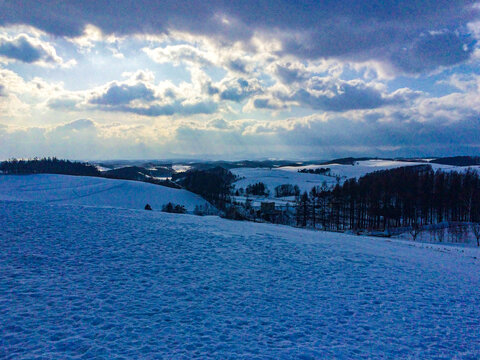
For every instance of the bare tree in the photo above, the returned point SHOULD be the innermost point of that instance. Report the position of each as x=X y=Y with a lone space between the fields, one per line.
x=458 y=233
x=476 y=232
x=440 y=234
x=415 y=230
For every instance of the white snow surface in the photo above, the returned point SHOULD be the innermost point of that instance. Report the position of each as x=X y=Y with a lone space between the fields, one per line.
x=103 y=283
x=181 y=168
x=93 y=191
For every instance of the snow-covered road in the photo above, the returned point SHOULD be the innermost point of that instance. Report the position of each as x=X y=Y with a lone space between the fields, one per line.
x=83 y=282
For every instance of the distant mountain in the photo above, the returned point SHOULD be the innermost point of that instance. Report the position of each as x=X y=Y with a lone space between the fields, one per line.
x=247 y=164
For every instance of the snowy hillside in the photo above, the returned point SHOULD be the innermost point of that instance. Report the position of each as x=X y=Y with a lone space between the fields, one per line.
x=305 y=181
x=85 y=282
x=93 y=191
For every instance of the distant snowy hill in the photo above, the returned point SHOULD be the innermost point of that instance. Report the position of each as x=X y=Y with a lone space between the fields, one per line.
x=93 y=191
x=87 y=283
x=290 y=175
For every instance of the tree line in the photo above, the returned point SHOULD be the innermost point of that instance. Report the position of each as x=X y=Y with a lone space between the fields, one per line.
x=48 y=165
x=214 y=185
x=411 y=196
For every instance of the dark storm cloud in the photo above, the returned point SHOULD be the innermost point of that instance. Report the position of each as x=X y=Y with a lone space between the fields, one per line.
x=353 y=29
x=22 y=49
x=123 y=94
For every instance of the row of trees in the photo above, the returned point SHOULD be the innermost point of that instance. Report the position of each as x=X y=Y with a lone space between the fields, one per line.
x=404 y=197
x=174 y=208
x=287 y=190
x=317 y=171
x=48 y=165
x=213 y=184
x=258 y=189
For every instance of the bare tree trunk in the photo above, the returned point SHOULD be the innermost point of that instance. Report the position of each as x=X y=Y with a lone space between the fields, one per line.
x=476 y=232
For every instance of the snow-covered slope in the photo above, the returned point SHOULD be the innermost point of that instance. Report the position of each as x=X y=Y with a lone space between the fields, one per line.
x=92 y=191
x=367 y=166
x=84 y=282
x=359 y=169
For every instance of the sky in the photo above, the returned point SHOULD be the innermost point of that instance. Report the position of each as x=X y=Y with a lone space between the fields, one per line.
x=243 y=79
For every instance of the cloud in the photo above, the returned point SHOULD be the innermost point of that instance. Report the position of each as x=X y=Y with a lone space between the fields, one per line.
x=74 y=140
x=428 y=127
x=2 y=90
x=175 y=108
x=82 y=139
x=291 y=73
x=355 y=30
x=141 y=97
x=462 y=82
x=330 y=94
x=239 y=89
x=202 y=52
x=346 y=97
x=432 y=51
x=64 y=103
x=177 y=54
x=121 y=94
x=136 y=95
x=23 y=98
x=219 y=124
x=77 y=125
x=265 y=103
x=28 y=50
x=237 y=65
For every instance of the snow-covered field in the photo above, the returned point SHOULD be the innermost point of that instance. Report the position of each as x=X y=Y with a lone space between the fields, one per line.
x=82 y=282
x=93 y=191
x=279 y=176
x=305 y=181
